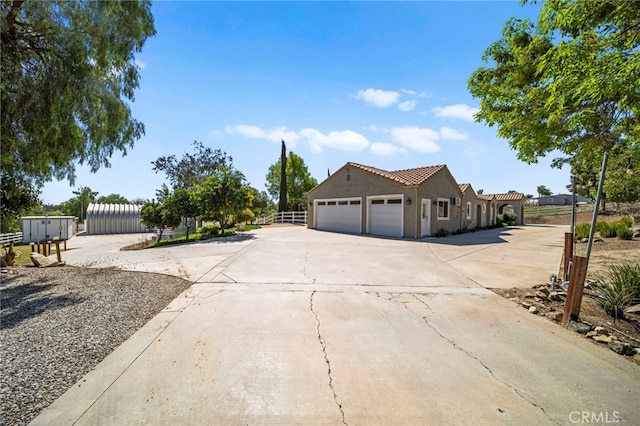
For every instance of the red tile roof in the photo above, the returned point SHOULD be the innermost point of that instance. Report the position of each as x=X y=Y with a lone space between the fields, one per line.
x=407 y=176
x=488 y=197
x=464 y=186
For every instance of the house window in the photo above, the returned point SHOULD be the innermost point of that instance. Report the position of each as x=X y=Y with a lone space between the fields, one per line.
x=443 y=209
x=343 y=203
x=321 y=203
x=394 y=201
x=550 y=200
x=331 y=203
x=468 y=210
x=377 y=201
x=354 y=202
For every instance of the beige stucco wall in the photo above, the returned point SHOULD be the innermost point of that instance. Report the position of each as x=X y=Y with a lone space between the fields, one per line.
x=350 y=182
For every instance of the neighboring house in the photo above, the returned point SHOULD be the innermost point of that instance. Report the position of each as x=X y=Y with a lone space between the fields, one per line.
x=114 y=219
x=44 y=228
x=410 y=203
x=560 y=200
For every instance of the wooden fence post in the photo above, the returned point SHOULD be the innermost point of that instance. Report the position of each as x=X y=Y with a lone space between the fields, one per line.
x=576 y=286
x=33 y=247
x=58 y=254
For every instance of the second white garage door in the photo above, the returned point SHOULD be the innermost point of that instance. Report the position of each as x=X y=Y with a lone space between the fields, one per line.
x=340 y=215
x=385 y=215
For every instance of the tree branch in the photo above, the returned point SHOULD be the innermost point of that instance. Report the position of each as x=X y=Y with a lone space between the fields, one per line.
x=9 y=35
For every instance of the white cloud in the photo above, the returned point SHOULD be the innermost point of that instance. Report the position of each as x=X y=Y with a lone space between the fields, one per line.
x=447 y=133
x=408 y=92
x=378 y=98
x=418 y=139
x=345 y=140
x=458 y=111
x=407 y=105
x=381 y=148
x=373 y=128
x=275 y=134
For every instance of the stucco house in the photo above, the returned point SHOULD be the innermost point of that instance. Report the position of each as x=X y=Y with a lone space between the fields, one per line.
x=411 y=203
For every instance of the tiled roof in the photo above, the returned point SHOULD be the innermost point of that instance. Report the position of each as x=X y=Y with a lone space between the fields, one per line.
x=511 y=196
x=487 y=197
x=464 y=186
x=407 y=176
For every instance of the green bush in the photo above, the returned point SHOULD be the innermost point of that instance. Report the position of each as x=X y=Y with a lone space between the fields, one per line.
x=623 y=232
x=441 y=233
x=510 y=218
x=582 y=231
x=209 y=230
x=618 y=289
x=606 y=229
x=626 y=221
x=499 y=218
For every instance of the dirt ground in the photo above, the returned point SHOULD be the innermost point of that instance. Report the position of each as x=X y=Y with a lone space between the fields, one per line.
x=605 y=253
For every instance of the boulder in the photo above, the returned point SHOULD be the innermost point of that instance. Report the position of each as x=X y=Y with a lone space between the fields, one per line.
x=533 y=310
x=580 y=327
x=44 y=261
x=554 y=316
x=602 y=339
x=620 y=347
x=526 y=305
x=600 y=330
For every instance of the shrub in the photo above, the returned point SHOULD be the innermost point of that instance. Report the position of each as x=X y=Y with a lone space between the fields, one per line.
x=623 y=232
x=606 y=229
x=209 y=229
x=246 y=216
x=582 y=231
x=626 y=221
x=510 y=218
x=441 y=233
x=618 y=289
x=499 y=218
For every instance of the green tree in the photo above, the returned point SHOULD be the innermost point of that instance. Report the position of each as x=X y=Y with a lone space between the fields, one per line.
x=191 y=169
x=282 y=197
x=67 y=76
x=569 y=83
x=159 y=216
x=112 y=199
x=17 y=196
x=262 y=204
x=184 y=204
x=299 y=182
x=77 y=206
x=543 y=191
x=223 y=196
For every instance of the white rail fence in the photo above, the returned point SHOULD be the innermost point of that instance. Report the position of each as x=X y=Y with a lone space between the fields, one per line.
x=16 y=237
x=298 y=218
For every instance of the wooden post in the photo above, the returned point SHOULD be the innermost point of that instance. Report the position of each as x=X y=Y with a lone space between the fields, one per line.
x=65 y=244
x=576 y=286
x=33 y=247
x=568 y=254
x=38 y=246
x=48 y=248
x=58 y=254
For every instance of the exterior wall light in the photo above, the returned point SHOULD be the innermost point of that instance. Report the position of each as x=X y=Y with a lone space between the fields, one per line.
x=408 y=202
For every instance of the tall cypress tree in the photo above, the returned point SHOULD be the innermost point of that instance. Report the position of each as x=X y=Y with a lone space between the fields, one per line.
x=282 y=205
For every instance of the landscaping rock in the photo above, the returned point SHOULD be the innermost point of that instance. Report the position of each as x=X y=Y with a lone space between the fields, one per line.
x=44 y=261
x=541 y=295
x=620 y=347
x=602 y=339
x=526 y=305
x=636 y=358
x=600 y=330
x=533 y=310
x=591 y=334
x=554 y=316
x=580 y=327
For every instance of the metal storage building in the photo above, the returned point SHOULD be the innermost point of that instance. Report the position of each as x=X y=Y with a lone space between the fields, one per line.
x=114 y=219
x=45 y=228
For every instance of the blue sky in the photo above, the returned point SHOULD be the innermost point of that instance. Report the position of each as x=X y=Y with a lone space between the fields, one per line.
x=382 y=84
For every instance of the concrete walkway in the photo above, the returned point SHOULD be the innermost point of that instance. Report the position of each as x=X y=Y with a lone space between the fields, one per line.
x=294 y=326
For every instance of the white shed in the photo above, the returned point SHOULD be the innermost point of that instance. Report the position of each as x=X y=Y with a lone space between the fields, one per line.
x=45 y=228
x=114 y=219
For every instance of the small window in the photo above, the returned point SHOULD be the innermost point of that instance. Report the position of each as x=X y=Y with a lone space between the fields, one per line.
x=394 y=201
x=443 y=209
x=354 y=202
x=343 y=203
x=377 y=201
x=550 y=200
x=321 y=203
x=468 y=210
x=348 y=178
x=331 y=203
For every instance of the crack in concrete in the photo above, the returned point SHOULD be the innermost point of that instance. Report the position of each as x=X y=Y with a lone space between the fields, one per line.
x=485 y=366
x=323 y=344
x=304 y=268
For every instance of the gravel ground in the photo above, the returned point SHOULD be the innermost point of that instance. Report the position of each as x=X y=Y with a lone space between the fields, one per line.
x=57 y=324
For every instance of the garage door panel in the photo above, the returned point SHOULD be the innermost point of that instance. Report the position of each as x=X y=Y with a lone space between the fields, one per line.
x=339 y=216
x=385 y=217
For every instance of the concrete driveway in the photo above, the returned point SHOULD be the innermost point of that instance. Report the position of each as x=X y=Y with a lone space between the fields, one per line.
x=294 y=326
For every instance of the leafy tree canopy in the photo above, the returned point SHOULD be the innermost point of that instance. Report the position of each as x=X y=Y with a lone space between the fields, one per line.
x=112 y=199
x=67 y=72
x=191 y=169
x=299 y=182
x=77 y=206
x=543 y=191
x=570 y=83
x=223 y=196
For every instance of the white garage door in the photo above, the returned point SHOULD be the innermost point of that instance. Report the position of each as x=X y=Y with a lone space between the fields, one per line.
x=342 y=215
x=385 y=216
